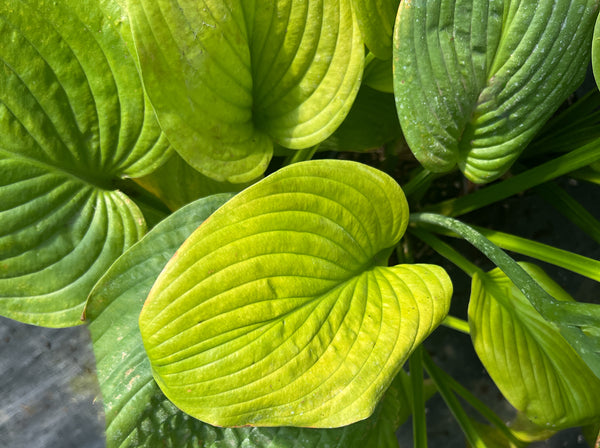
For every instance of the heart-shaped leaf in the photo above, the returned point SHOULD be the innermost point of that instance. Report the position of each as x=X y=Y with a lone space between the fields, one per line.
x=536 y=369
x=137 y=413
x=376 y=20
x=73 y=119
x=476 y=79
x=279 y=309
x=227 y=78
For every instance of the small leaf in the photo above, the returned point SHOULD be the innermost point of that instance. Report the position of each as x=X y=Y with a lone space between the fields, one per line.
x=229 y=78
x=73 y=120
x=535 y=368
x=476 y=80
x=137 y=413
x=376 y=20
x=190 y=184
x=279 y=309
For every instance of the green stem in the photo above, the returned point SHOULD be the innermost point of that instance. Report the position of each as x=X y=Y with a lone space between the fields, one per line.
x=445 y=250
x=588 y=267
x=416 y=379
x=437 y=375
x=301 y=155
x=456 y=324
x=543 y=173
x=539 y=298
x=570 y=208
x=419 y=183
x=480 y=407
x=569 y=316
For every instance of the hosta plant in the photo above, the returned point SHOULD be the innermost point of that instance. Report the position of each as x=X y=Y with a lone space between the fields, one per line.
x=241 y=201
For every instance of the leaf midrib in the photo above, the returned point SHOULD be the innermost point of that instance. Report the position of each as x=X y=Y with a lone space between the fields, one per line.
x=97 y=182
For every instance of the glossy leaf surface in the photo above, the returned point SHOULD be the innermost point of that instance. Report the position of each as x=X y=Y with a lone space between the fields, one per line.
x=73 y=119
x=227 y=78
x=476 y=79
x=137 y=413
x=527 y=357
x=280 y=309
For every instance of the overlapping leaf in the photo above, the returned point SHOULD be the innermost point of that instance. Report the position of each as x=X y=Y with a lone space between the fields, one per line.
x=536 y=369
x=376 y=19
x=476 y=79
x=73 y=118
x=370 y=123
x=279 y=309
x=137 y=413
x=176 y=183
x=227 y=78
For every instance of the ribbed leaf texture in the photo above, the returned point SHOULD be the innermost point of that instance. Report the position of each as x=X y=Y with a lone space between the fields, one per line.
x=534 y=367
x=476 y=79
x=376 y=20
x=280 y=309
x=73 y=119
x=227 y=78
x=138 y=414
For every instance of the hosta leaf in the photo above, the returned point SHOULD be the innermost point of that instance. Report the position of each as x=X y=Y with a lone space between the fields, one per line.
x=376 y=20
x=527 y=357
x=279 y=309
x=137 y=413
x=190 y=184
x=596 y=51
x=227 y=78
x=370 y=123
x=378 y=75
x=73 y=118
x=476 y=79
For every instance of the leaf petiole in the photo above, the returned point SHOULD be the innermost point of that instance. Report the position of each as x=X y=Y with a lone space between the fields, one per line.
x=418 y=401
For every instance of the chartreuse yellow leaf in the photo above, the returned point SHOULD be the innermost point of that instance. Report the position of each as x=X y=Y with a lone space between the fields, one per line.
x=73 y=120
x=139 y=415
x=475 y=80
x=376 y=19
x=535 y=368
x=229 y=78
x=281 y=310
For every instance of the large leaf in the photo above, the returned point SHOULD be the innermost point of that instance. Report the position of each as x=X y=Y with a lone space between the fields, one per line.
x=280 y=309
x=527 y=357
x=73 y=119
x=476 y=79
x=137 y=413
x=227 y=78
x=376 y=19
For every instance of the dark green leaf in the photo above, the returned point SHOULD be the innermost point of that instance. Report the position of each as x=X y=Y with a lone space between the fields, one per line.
x=476 y=79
